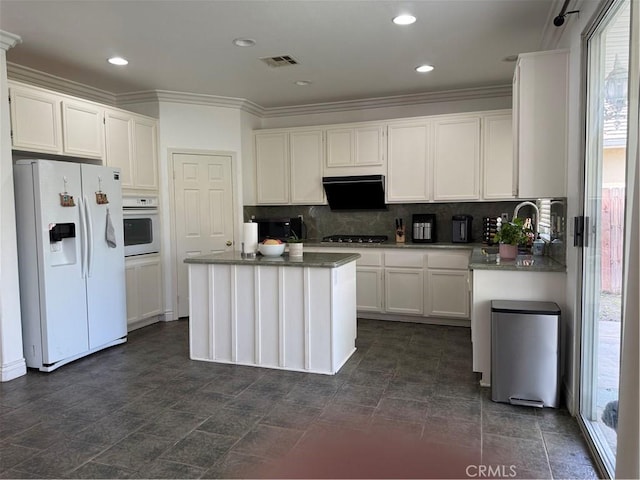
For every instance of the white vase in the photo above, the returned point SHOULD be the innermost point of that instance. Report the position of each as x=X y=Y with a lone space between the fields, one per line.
x=295 y=249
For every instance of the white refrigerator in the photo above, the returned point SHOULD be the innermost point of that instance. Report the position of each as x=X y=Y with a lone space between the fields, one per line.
x=71 y=260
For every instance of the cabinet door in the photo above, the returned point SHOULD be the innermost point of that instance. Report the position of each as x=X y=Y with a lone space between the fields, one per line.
x=150 y=289
x=119 y=147
x=35 y=121
x=368 y=146
x=82 y=129
x=131 y=279
x=447 y=293
x=541 y=103
x=272 y=168
x=145 y=153
x=497 y=174
x=457 y=159
x=306 y=155
x=340 y=147
x=409 y=163
x=404 y=290
x=369 y=289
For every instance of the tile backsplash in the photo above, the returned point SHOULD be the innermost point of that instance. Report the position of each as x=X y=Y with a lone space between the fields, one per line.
x=320 y=221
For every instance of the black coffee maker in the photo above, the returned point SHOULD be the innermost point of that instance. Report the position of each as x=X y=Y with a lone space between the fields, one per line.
x=461 y=228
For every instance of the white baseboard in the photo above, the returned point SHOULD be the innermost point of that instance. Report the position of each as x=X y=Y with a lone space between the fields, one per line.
x=569 y=399
x=15 y=369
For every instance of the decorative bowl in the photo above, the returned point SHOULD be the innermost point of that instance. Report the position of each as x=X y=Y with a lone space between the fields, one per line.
x=271 y=250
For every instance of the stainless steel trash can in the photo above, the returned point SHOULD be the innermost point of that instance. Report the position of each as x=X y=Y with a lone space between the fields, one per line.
x=525 y=353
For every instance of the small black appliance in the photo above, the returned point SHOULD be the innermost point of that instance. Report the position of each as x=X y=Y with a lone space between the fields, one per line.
x=461 y=228
x=423 y=228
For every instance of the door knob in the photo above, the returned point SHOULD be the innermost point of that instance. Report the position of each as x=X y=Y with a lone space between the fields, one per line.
x=229 y=243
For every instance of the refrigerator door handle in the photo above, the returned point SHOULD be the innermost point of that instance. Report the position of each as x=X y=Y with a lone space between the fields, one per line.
x=89 y=237
x=83 y=243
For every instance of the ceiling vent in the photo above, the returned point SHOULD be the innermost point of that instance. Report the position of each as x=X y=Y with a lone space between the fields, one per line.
x=280 y=61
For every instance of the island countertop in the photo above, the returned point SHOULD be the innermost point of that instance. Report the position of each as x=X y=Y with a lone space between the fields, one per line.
x=308 y=259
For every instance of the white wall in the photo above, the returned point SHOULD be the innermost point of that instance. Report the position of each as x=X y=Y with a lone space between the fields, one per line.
x=12 y=363
x=202 y=128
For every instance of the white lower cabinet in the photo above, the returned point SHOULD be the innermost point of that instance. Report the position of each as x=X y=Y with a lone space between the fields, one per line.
x=447 y=294
x=403 y=290
x=369 y=288
x=144 y=290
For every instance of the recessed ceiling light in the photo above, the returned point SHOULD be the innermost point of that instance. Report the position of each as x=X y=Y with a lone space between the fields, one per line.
x=302 y=83
x=424 y=68
x=118 y=61
x=404 y=20
x=244 y=42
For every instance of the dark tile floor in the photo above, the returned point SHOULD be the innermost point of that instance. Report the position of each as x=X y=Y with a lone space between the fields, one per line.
x=405 y=405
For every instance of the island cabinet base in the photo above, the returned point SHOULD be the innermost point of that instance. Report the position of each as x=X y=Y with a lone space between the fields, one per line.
x=300 y=319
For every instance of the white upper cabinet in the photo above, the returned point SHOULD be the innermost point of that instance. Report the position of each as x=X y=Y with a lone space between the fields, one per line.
x=82 y=129
x=456 y=164
x=289 y=167
x=540 y=122
x=272 y=168
x=145 y=153
x=497 y=157
x=118 y=145
x=306 y=156
x=409 y=162
x=131 y=145
x=35 y=120
x=45 y=122
x=356 y=150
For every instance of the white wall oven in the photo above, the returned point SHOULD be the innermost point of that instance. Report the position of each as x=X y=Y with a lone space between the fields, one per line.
x=141 y=225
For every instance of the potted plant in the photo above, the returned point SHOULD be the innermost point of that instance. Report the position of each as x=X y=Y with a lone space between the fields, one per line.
x=510 y=235
x=295 y=245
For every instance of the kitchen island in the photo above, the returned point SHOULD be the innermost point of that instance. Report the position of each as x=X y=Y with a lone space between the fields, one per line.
x=527 y=277
x=278 y=312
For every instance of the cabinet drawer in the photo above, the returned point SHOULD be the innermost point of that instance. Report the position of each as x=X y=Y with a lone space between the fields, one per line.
x=404 y=259
x=369 y=259
x=451 y=260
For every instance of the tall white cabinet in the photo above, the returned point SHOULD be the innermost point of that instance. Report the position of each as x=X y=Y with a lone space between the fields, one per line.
x=540 y=123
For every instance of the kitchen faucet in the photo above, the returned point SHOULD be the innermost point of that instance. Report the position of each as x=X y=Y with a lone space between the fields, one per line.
x=535 y=207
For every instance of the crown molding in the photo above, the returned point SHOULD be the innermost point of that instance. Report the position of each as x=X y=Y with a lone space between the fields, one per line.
x=8 y=40
x=59 y=84
x=45 y=80
x=189 y=98
x=392 y=101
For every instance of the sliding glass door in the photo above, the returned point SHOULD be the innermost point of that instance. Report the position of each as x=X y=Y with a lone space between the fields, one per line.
x=605 y=184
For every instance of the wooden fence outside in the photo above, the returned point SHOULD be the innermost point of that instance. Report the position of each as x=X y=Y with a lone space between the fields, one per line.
x=612 y=236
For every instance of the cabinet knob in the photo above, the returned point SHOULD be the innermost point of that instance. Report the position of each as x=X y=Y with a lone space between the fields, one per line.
x=229 y=243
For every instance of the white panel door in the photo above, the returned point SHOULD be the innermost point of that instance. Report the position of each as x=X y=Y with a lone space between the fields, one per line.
x=456 y=166
x=448 y=293
x=35 y=121
x=497 y=172
x=145 y=154
x=272 y=168
x=403 y=290
x=306 y=167
x=409 y=166
x=82 y=129
x=119 y=151
x=203 y=212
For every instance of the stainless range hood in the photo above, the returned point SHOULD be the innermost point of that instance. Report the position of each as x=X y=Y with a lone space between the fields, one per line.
x=362 y=192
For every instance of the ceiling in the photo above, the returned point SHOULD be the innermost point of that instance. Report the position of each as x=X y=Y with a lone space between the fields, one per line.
x=347 y=49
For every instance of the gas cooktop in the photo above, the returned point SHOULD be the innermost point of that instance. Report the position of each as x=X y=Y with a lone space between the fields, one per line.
x=355 y=239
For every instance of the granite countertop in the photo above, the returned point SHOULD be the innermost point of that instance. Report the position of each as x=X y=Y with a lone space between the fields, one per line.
x=308 y=259
x=533 y=263
x=393 y=244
